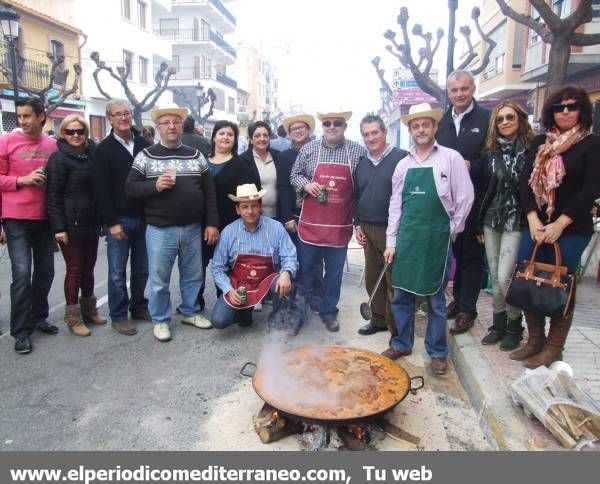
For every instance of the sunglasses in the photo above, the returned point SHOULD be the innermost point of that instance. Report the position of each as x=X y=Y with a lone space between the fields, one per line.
x=72 y=132
x=509 y=117
x=559 y=108
x=337 y=123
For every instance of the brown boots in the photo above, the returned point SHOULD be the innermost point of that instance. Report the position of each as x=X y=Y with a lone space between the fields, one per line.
x=539 y=350
x=557 y=335
x=74 y=321
x=89 y=312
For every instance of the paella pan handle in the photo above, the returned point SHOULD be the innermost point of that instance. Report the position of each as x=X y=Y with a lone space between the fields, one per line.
x=248 y=369
x=413 y=390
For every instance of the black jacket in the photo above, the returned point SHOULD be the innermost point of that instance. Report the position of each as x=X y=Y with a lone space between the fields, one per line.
x=287 y=195
x=469 y=143
x=284 y=188
x=196 y=141
x=70 y=193
x=112 y=163
x=578 y=190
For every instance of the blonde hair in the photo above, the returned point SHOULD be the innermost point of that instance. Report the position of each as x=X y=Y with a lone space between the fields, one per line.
x=71 y=118
x=524 y=130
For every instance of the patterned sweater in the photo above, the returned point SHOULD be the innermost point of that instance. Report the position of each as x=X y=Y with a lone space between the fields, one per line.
x=192 y=199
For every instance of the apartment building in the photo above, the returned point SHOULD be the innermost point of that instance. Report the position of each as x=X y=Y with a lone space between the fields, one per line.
x=201 y=56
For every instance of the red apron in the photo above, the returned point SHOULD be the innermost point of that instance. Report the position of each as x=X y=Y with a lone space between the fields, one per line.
x=254 y=272
x=329 y=224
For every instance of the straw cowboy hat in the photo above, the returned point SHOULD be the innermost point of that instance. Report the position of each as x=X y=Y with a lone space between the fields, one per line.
x=299 y=118
x=170 y=108
x=244 y=193
x=423 y=110
x=345 y=115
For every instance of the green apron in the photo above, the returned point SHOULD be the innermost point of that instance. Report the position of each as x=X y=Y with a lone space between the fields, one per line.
x=423 y=236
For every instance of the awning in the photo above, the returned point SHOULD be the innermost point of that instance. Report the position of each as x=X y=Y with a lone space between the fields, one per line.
x=64 y=112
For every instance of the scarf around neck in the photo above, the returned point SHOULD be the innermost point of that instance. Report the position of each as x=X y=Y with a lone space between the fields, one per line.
x=549 y=168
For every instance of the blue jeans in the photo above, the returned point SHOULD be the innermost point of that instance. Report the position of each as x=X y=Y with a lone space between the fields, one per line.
x=333 y=259
x=224 y=315
x=164 y=244
x=403 y=309
x=571 y=248
x=117 y=252
x=30 y=244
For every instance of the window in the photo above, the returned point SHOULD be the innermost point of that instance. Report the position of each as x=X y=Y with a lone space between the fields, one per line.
x=205 y=32
x=230 y=105
x=498 y=54
x=562 y=8
x=534 y=38
x=518 y=46
x=202 y=67
x=128 y=60
x=58 y=50
x=169 y=27
x=97 y=127
x=595 y=10
x=141 y=7
x=220 y=101
x=143 y=70
x=126 y=9
x=175 y=63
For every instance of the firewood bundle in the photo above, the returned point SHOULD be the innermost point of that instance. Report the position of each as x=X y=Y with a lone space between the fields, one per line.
x=554 y=398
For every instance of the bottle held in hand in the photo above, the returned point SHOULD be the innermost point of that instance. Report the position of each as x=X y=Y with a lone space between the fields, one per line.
x=42 y=170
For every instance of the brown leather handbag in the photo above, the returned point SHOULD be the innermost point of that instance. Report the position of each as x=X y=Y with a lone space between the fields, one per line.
x=542 y=288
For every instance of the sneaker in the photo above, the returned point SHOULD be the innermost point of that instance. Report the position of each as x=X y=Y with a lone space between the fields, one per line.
x=197 y=320
x=258 y=307
x=23 y=345
x=162 y=332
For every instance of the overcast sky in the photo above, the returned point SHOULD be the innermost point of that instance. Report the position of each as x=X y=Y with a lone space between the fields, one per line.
x=321 y=49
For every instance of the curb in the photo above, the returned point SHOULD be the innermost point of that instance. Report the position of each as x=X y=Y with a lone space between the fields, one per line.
x=503 y=424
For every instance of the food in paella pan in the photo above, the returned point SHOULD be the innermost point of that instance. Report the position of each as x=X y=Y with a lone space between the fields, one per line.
x=332 y=383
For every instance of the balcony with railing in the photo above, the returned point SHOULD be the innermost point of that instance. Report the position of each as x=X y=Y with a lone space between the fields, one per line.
x=32 y=74
x=197 y=35
x=221 y=8
x=212 y=10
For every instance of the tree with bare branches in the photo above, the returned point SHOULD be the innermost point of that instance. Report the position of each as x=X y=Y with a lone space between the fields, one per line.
x=560 y=34
x=421 y=69
x=48 y=95
x=161 y=81
x=196 y=107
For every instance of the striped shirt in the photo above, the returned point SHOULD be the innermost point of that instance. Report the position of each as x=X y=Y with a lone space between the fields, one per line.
x=311 y=153
x=270 y=238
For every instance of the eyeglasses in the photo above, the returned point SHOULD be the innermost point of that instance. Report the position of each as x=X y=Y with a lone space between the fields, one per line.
x=337 y=123
x=121 y=115
x=73 y=132
x=559 y=108
x=509 y=117
x=170 y=123
x=300 y=128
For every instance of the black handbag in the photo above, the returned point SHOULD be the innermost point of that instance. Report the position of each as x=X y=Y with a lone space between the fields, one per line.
x=541 y=288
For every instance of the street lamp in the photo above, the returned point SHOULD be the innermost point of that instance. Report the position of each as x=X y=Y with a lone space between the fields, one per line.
x=9 y=20
x=200 y=96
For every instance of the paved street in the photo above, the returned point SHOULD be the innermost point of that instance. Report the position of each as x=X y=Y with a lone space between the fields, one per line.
x=110 y=391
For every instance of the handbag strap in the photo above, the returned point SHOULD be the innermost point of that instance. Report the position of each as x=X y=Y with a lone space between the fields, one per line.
x=529 y=270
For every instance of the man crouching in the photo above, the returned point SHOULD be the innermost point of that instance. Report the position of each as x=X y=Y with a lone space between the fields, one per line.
x=255 y=255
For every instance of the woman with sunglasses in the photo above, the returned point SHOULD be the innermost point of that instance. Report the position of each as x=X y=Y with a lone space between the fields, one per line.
x=228 y=171
x=558 y=189
x=74 y=221
x=501 y=218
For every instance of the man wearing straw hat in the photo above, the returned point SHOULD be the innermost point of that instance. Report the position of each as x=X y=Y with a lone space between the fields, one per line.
x=180 y=204
x=255 y=255
x=432 y=194
x=322 y=176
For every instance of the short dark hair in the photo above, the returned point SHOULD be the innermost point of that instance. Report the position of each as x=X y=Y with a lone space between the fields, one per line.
x=259 y=124
x=220 y=125
x=562 y=94
x=372 y=118
x=35 y=103
x=189 y=123
x=281 y=131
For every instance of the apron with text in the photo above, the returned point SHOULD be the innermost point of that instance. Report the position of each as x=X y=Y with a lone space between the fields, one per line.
x=423 y=236
x=329 y=224
x=254 y=272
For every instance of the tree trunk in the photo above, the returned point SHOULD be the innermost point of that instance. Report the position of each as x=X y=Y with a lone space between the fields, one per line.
x=137 y=118
x=560 y=52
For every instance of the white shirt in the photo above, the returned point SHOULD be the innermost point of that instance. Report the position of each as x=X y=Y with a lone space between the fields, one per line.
x=381 y=157
x=268 y=180
x=457 y=118
x=128 y=146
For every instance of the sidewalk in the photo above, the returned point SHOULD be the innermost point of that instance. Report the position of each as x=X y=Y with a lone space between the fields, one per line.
x=486 y=372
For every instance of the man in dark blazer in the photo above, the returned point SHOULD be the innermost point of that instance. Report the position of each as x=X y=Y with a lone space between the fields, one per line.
x=464 y=128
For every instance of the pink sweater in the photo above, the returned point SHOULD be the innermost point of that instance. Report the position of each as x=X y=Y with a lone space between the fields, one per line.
x=19 y=156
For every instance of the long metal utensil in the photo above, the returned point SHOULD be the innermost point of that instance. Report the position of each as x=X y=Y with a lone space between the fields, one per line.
x=365 y=308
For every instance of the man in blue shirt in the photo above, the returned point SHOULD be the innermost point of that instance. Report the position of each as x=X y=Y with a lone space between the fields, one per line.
x=255 y=253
